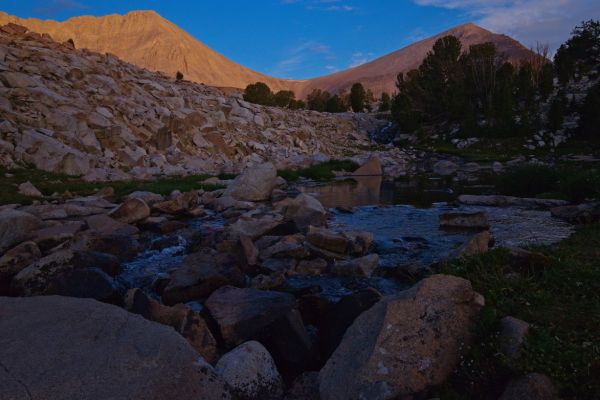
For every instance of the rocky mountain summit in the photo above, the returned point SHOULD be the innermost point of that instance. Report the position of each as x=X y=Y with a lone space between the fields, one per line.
x=83 y=113
x=155 y=43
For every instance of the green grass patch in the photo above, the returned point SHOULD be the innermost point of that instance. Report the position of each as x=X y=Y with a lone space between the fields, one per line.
x=319 y=172
x=49 y=183
x=560 y=298
x=486 y=150
x=566 y=182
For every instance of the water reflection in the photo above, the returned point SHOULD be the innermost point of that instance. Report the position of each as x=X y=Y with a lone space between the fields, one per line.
x=358 y=191
x=420 y=191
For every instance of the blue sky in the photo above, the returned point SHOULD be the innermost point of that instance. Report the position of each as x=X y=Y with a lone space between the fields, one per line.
x=306 y=38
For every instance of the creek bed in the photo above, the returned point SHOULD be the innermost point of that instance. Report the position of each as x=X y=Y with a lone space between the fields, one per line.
x=405 y=234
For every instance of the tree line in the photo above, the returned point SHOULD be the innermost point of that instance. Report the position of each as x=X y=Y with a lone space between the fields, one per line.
x=484 y=94
x=358 y=99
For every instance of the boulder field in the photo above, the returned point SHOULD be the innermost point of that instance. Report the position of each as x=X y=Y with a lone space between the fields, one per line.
x=78 y=112
x=224 y=322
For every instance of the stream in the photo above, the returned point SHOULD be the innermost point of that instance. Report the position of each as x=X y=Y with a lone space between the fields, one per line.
x=402 y=216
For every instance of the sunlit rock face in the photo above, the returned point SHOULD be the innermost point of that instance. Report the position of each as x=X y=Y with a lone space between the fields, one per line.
x=83 y=113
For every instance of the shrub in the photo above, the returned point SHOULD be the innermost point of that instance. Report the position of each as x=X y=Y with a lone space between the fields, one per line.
x=178 y=76
x=527 y=181
x=259 y=93
x=284 y=98
x=578 y=185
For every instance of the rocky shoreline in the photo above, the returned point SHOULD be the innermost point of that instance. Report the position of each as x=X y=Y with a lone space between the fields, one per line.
x=223 y=324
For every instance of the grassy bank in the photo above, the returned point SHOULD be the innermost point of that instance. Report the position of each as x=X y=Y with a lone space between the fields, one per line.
x=49 y=183
x=559 y=295
x=569 y=182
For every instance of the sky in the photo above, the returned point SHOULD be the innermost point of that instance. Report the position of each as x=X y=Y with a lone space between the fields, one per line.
x=300 y=39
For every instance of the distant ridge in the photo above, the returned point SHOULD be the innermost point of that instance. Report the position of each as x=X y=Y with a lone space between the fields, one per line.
x=148 y=40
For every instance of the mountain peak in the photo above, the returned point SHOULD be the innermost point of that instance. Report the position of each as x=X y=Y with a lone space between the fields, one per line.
x=148 y=40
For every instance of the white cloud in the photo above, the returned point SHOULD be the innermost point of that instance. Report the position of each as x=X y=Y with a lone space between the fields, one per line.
x=359 y=58
x=322 y=5
x=297 y=57
x=529 y=21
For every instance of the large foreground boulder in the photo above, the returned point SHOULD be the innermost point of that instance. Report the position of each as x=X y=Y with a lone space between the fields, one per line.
x=403 y=345
x=254 y=184
x=66 y=348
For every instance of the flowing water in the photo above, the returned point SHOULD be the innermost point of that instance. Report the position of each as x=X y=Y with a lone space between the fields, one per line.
x=403 y=217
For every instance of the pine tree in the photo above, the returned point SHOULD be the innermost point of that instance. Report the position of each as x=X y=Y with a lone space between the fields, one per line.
x=385 y=102
x=358 y=97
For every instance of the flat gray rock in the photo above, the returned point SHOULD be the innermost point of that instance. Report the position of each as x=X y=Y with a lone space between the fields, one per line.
x=65 y=348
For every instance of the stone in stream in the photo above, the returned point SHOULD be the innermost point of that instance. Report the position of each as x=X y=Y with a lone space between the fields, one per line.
x=124 y=247
x=577 y=214
x=266 y=316
x=106 y=225
x=254 y=225
x=405 y=344
x=476 y=220
x=268 y=282
x=251 y=372
x=290 y=246
x=315 y=267
x=477 y=244
x=362 y=266
x=16 y=227
x=180 y=204
x=355 y=243
x=249 y=250
x=328 y=240
x=131 y=211
x=104 y=352
x=254 y=184
x=199 y=275
x=372 y=167
x=505 y=201
x=304 y=210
